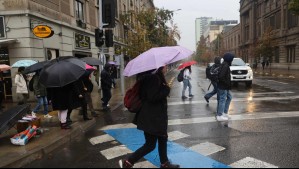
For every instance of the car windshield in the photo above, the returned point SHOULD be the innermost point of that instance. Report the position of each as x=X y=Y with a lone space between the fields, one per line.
x=238 y=62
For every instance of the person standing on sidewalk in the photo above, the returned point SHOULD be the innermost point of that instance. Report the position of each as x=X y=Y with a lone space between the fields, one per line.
x=40 y=92
x=224 y=87
x=186 y=81
x=214 y=81
x=152 y=118
x=106 y=85
x=88 y=88
x=22 y=88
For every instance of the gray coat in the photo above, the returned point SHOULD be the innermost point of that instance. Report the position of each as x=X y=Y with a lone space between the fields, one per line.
x=39 y=89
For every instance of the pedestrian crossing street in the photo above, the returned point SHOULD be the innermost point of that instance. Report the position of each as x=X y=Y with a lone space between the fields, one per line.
x=196 y=156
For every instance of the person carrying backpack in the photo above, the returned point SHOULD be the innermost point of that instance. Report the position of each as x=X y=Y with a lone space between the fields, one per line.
x=187 y=83
x=40 y=92
x=212 y=74
x=224 y=87
x=152 y=119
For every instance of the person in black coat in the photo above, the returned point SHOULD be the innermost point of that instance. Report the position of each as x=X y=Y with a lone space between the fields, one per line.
x=152 y=118
x=78 y=98
x=106 y=85
x=224 y=87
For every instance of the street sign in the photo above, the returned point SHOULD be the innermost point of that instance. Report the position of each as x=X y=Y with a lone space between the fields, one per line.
x=43 y=31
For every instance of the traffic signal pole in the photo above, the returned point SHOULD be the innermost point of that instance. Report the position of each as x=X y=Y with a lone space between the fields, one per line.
x=101 y=26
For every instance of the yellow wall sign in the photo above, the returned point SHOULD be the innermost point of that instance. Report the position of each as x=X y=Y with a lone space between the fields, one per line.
x=43 y=31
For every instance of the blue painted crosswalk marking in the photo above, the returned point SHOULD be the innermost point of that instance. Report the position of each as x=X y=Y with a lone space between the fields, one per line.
x=186 y=158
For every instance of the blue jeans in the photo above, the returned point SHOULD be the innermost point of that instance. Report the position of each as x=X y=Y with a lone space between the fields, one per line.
x=224 y=100
x=212 y=93
x=41 y=101
x=187 y=84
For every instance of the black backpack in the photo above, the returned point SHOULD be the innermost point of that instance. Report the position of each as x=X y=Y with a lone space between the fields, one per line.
x=213 y=73
x=180 y=77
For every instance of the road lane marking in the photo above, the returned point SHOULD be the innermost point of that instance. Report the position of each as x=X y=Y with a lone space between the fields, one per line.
x=115 y=152
x=101 y=139
x=144 y=164
x=176 y=135
x=249 y=99
x=207 y=148
x=250 y=162
x=240 y=117
x=277 y=82
x=186 y=158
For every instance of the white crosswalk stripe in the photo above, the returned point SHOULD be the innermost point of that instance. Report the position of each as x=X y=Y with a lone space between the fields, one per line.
x=144 y=164
x=115 y=152
x=249 y=162
x=176 y=135
x=207 y=148
x=101 y=139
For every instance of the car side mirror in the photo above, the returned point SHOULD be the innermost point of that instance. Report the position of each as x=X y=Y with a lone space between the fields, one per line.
x=247 y=64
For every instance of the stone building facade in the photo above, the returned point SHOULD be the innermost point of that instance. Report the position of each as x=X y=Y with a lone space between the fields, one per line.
x=256 y=16
x=73 y=23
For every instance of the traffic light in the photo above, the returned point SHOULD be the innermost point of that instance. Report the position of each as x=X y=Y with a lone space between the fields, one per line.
x=109 y=38
x=99 y=36
x=108 y=12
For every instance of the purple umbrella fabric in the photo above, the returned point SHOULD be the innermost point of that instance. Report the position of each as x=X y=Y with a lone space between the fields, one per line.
x=156 y=58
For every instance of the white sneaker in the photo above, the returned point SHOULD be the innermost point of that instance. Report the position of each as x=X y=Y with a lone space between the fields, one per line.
x=33 y=114
x=47 y=116
x=227 y=116
x=221 y=118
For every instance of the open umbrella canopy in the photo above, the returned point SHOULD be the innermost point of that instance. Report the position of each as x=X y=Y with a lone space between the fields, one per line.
x=23 y=63
x=62 y=71
x=186 y=64
x=155 y=58
x=92 y=61
x=4 y=67
x=35 y=67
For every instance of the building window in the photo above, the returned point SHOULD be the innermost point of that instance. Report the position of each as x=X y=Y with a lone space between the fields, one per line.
x=276 y=54
x=79 y=10
x=291 y=57
x=278 y=20
x=292 y=20
x=246 y=33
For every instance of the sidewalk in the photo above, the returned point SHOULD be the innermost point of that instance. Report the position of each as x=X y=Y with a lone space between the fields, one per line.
x=282 y=73
x=52 y=136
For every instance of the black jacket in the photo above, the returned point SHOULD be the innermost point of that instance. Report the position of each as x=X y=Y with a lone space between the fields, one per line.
x=106 y=80
x=224 y=77
x=153 y=118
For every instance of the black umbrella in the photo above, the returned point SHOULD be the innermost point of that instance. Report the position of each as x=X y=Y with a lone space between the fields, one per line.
x=62 y=71
x=35 y=67
x=92 y=61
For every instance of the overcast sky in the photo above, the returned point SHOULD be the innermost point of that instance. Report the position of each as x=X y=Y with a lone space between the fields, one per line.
x=192 y=9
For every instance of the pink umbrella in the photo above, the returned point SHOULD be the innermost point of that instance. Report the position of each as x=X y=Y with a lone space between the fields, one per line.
x=88 y=67
x=4 y=67
x=155 y=58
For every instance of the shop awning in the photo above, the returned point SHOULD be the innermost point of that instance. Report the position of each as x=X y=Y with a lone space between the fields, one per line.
x=8 y=41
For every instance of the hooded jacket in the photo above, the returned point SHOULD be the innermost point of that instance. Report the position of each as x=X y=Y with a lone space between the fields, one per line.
x=106 y=79
x=224 y=75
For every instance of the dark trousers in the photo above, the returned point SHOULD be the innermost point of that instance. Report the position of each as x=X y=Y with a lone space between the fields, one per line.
x=84 y=112
x=106 y=97
x=149 y=146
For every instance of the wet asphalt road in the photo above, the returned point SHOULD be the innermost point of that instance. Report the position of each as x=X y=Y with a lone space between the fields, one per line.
x=265 y=126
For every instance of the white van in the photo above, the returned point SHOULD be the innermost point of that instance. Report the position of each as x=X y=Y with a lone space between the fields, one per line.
x=241 y=72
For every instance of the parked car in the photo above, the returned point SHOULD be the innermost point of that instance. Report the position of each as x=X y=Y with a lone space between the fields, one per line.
x=240 y=71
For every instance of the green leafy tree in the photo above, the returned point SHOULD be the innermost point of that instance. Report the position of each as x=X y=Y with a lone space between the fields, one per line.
x=203 y=53
x=294 y=6
x=149 y=28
